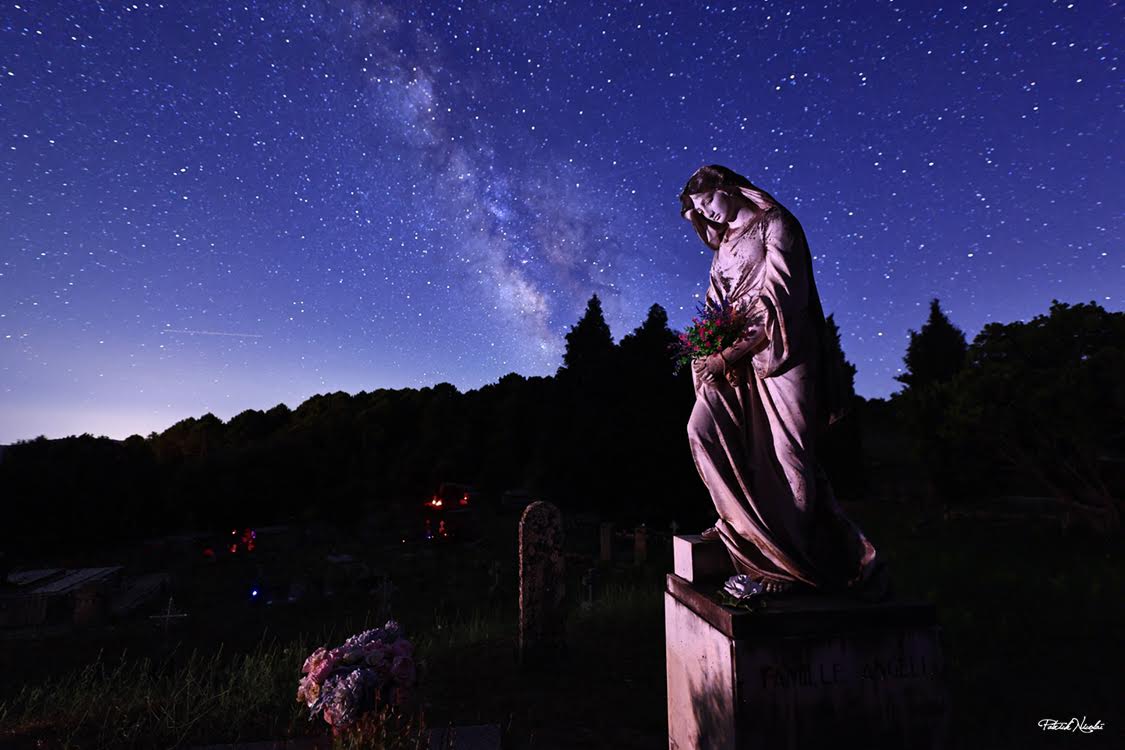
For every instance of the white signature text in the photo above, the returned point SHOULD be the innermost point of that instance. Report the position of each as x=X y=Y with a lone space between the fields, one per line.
x=1074 y=725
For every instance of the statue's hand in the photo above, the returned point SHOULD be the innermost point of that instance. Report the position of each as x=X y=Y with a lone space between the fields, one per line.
x=700 y=371
x=709 y=368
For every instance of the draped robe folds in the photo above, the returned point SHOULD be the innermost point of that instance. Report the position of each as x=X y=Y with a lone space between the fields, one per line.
x=753 y=437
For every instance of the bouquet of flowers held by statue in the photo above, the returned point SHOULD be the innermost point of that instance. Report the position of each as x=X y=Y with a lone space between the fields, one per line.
x=716 y=326
x=374 y=668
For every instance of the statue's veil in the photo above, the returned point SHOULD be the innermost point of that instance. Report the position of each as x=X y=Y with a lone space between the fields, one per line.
x=757 y=196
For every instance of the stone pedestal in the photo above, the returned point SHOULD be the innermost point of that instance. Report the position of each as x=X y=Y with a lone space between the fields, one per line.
x=807 y=671
x=696 y=560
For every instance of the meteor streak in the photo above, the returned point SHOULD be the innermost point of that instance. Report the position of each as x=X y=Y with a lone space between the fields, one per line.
x=213 y=333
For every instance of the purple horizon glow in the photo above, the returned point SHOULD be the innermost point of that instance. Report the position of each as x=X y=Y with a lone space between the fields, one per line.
x=213 y=207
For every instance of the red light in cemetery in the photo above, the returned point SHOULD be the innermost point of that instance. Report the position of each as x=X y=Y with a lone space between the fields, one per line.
x=208 y=552
x=233 y=548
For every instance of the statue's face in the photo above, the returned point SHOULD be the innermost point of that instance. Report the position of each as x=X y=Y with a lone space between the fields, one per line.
x=718 y=206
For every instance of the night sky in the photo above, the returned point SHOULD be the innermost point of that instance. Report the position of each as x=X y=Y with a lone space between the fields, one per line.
x=211 y=207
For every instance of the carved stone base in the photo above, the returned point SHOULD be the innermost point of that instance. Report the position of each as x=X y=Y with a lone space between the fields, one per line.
x=697 y=559
x=807 y=671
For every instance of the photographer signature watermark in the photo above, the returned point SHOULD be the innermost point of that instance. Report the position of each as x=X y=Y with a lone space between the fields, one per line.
x=1074 y=725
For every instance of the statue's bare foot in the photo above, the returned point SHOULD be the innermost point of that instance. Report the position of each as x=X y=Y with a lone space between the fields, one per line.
x=710 y=534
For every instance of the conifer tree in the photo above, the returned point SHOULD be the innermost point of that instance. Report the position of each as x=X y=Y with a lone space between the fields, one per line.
x=647 y=350
x=936 y=353
x=589 y=345
x=836 y=350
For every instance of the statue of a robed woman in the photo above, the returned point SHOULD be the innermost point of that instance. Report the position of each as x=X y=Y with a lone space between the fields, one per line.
x=763 y=403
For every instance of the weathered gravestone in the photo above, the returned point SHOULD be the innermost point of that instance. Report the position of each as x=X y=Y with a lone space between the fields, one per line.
x=605 y=539
x=542 y=584
x=806 y=671
x=591 y=579
x=640 y=545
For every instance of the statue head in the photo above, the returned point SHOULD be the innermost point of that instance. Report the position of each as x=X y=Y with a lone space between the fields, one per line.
x=717 y=199
x=717 y=194
x=711 y=192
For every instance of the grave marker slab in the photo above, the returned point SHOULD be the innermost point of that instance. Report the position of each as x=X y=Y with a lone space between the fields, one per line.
x=542 y=583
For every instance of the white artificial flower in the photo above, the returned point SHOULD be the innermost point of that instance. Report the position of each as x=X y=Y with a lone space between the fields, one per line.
x=742 y=587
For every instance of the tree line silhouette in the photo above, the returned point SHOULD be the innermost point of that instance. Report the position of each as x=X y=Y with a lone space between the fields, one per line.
x=1034 y=408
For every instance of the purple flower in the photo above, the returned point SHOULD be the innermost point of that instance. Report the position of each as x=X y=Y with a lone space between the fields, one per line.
x=376 y=654
x=366 y=637
x=350 y=696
